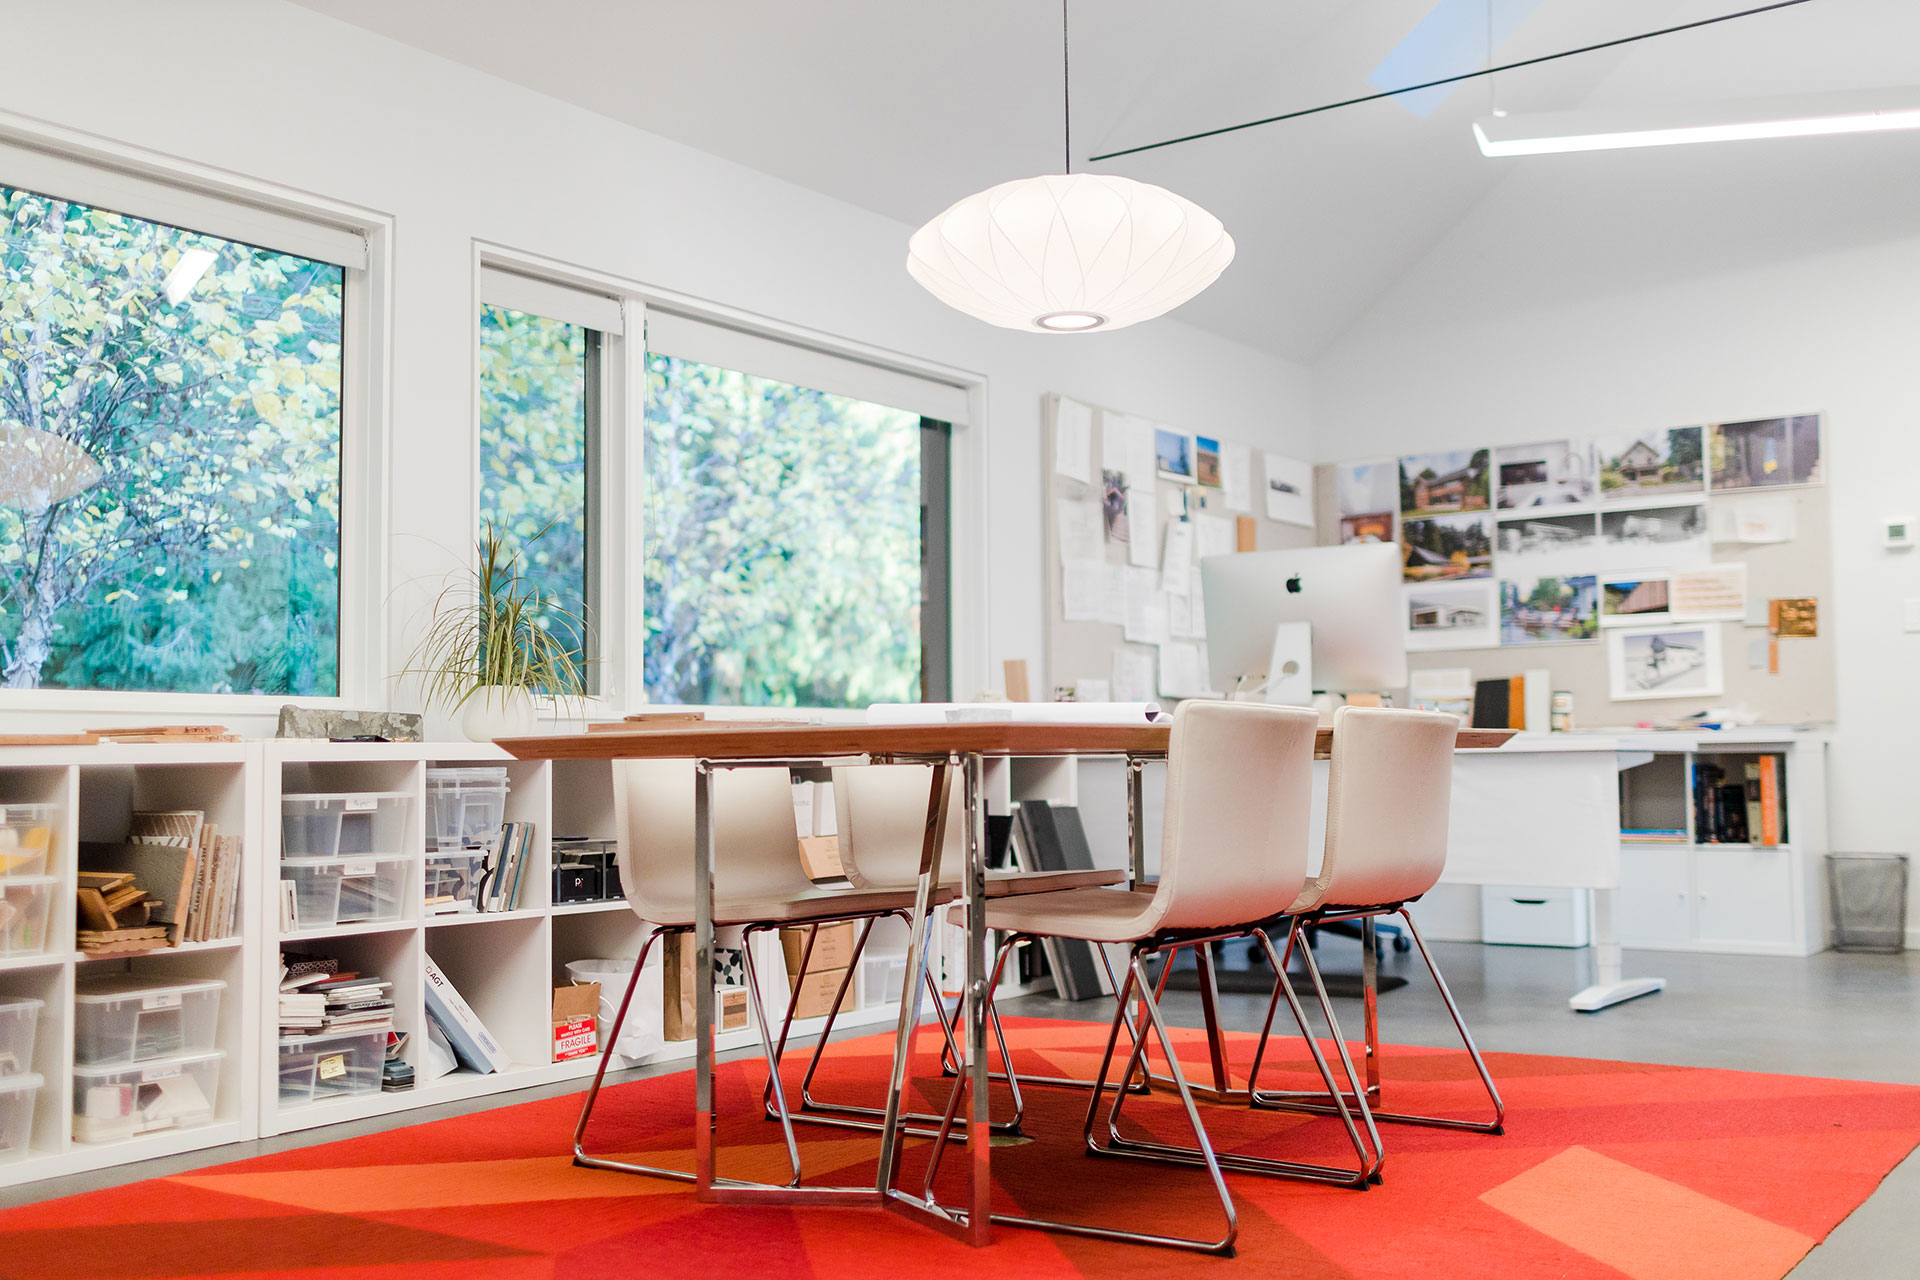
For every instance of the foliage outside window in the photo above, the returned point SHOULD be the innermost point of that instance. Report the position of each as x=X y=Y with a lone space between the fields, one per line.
x=169 y=457
x=783 y=543
x=535 y=375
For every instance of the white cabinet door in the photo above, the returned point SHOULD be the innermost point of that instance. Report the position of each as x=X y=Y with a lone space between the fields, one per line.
x=1653 y=908
x=1743 y=897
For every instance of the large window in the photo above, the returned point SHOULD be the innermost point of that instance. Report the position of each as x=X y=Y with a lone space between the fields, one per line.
x=170 y=449
x=537 y=377
x=795 y=543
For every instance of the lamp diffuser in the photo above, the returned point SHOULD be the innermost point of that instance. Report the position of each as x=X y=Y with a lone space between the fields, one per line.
x=1065 y=253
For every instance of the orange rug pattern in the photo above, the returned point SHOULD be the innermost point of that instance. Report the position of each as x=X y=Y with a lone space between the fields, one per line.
x=1607 y=1169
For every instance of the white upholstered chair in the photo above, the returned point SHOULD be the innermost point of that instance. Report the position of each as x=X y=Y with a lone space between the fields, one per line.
x=1389 y=789
x=1233 y=855
x=758 y=885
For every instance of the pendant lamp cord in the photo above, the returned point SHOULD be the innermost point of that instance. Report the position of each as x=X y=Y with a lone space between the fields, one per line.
x=1066 y=88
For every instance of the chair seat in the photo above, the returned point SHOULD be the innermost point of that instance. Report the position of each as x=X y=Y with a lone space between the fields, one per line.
x=1012 y=884
x=1096 y=915
x=801 y=908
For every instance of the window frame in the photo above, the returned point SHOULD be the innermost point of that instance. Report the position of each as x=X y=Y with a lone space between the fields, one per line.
x=622 y=540
x=158 y=188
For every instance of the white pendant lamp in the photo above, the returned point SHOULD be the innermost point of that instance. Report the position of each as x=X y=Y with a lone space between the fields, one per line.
x=1069 y=252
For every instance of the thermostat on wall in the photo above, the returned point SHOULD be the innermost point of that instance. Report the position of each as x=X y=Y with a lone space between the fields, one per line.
x=1899 y=532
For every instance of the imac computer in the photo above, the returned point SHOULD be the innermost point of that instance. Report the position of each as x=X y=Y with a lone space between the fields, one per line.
x=1267 y=611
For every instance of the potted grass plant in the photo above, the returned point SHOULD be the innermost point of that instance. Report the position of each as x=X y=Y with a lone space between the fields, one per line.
x=494 y=643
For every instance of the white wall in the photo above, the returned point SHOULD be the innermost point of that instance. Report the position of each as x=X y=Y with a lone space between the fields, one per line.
x=279 y=93
x=1628 y=293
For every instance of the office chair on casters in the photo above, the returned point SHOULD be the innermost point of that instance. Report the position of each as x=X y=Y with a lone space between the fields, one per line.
x=1388 y=793
x=758 y=886
x=1233 y=855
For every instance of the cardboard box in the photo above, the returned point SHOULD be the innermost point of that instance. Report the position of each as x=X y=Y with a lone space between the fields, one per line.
x=820 y=857
x=832 y=947
x=576 y=1021
x=813 y=996
x=678 y=1016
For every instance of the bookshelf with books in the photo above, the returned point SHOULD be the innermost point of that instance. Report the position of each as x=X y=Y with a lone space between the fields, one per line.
x=1722 y=837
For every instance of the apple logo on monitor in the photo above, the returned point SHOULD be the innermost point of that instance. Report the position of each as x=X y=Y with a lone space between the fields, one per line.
x=1293 y=585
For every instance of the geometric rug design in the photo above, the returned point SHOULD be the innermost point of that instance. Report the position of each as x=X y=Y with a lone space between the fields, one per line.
x=1606 y=1170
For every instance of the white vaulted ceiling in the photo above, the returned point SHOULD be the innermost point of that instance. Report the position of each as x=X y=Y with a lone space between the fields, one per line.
x=902 y=107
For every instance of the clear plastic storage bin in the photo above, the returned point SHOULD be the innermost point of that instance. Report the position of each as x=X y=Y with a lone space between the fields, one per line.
x=464 y=806
x=453 y=880
x=335 y=826
x=121 y=1019
x=24 y=902
x=18 y=1017
x=322 y=1068
x=16 y=1114
x=114 y=1103
x=26 y=836
x=336 y=891
x=882 y=979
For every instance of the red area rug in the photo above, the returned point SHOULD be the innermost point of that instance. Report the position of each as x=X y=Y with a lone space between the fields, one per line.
x=1606 y=1169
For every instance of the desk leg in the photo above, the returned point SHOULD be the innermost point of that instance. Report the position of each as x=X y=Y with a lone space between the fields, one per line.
x=891 y=1129
x=979 y=1002
x=1610 y=986
x=703 y=978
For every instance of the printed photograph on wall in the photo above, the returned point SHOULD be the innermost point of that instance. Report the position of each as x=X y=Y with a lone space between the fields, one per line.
x=1113 y=504
x=1447 y=547
x=1366 y=496
x=1651 y=464
x=1556 y=474
x=1173 y=454
x=1289 y=489
x=1637 y=601
x=1206 y=461
x=1766 y=454
x=1443 y=483
x=1547 y=546
x=1656 y=537
x=1549 y=610
x=1452 y=615
x=1667 y=662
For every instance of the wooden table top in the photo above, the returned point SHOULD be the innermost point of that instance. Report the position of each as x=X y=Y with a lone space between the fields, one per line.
x=717 y=740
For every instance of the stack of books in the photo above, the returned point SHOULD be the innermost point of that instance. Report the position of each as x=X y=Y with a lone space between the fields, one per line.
x=507 y=857
x=1654 y=835
x=318 y=998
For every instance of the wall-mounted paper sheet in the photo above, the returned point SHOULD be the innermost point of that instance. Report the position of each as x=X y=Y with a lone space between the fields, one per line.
x=1113 y=595
x=1141 y=464
x=1180 y=616
x=1236 y=476
x=1775 y=518
x=1182 y=671
x=1113 y=441
x=1073 y=440
x=1146 y=608
x=1083 y=534
x=1084 y=589
x=1132 y=676
x=1176 y=560
x=1143 y=523
x=1214 y=536
x=1090 y=690
x=1717 y=592
x=1198 y=605
x=1289 y=490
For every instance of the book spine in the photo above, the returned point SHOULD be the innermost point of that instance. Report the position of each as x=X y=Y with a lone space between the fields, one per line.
x=1770 y=800
x=469 y=1036
x=520 y=863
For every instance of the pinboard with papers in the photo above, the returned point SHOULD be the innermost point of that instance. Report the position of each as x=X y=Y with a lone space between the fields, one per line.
x=1133 y=506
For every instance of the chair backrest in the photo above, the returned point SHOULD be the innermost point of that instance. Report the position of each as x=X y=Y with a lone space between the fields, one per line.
x=1389 y=789
x=880 y=812
x=756 y=850
x=1239 y=802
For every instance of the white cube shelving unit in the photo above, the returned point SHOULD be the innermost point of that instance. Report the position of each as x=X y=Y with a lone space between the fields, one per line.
x=506 y=964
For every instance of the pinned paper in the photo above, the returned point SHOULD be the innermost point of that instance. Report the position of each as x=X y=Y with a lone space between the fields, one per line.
x=1073 y=440
x=1236 y=476
x=1113 y=441
x=1196 y=602
x=1717 y=592
x=1132 y=676
x=1146 y=621
x=1213 y=536
x=1176 y=561
x=1182 y=672
x=1774 y=518
x=1082 y=586
x=1798 y=617
x=1289 y=490
x=1143 y=524
x=1089 y=690
x=1083 y=535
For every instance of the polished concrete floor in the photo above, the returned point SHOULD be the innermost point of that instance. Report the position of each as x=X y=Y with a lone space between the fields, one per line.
x=1850 y=1016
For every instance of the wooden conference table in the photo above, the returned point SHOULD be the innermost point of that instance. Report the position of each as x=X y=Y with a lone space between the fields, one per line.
x=963 y=745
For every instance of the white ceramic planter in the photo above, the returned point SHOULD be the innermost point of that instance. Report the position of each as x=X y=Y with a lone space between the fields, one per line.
x=498 y=711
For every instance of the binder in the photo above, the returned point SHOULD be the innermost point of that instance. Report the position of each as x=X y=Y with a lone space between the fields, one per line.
x=472 y=1043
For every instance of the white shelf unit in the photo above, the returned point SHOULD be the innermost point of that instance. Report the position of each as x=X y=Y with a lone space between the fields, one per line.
x=1741 y=899
x=506 y=964
x=95 y=791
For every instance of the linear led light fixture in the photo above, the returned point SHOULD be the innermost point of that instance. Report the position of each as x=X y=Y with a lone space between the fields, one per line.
x=1877 y=111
